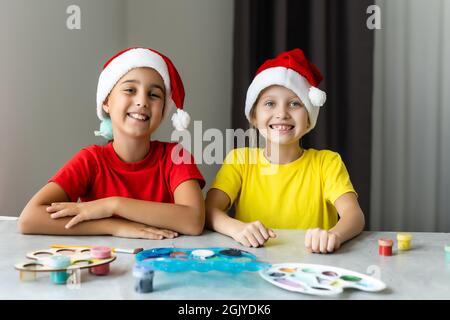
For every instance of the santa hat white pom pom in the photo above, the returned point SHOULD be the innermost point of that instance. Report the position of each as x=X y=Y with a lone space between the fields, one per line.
x=317 y=96
x=181 y=120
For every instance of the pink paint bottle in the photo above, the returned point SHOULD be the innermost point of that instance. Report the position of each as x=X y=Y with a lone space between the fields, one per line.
x=100 y=253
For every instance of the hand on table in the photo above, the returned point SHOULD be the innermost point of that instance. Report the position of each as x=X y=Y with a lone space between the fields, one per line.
x=129 y=229
x=252 y=234
x=91 y=210
x=321 y=241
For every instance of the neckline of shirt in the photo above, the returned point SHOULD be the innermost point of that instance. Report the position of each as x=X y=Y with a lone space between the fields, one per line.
x=265 y=161
x=132 y=166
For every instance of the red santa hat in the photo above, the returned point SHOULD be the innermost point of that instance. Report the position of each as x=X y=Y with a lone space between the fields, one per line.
x=292 y=70
x=118 y=65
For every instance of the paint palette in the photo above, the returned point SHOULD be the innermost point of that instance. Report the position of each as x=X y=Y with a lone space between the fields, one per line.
x=199 y=259
x=41 y=261
x=318 y=279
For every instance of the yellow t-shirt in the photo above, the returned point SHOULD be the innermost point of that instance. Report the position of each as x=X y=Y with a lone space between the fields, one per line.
x=297 y=195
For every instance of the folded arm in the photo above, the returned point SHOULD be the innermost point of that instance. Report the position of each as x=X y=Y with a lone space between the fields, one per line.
x=35 y=219
x=186 y=215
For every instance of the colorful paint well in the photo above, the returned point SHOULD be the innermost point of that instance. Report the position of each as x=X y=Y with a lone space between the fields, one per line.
x=351 y=278
x=202 y=254
x=385 y=247
x=179 y=254
x=231 y=252
x=330 y=274
x=59 y=262
x=404 y=241
x=100 y=253
x=144 y=279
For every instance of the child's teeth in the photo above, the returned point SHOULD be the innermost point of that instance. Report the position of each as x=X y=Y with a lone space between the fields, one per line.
x=137 y=116
x=278 y=127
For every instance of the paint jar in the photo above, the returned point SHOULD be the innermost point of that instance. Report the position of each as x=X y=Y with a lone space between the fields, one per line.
x=59 y=262
x=100 y=253
x=447 y=254
x=144 y=279
x=385 y=247
x=404 y=241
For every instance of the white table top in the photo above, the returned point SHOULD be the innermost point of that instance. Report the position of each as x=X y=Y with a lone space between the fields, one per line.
x=420 y=273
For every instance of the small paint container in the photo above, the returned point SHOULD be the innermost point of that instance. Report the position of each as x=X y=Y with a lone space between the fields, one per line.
x=447 y=254
x=58 y=262
x=100 y=253
x=144 y=279
x=404 y=241
x=385 y=247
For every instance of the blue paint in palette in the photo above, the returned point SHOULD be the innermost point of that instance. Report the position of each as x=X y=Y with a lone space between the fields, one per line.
x=199 y=259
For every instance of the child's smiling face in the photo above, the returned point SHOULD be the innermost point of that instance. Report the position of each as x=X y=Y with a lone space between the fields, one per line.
x=136 y=103
x=280 y=115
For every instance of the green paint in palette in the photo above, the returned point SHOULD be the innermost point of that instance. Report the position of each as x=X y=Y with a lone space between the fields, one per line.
x=351 y=278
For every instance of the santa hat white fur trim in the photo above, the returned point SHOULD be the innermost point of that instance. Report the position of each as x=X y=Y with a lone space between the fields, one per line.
x=119 y=66
x=312 y=97
x=181 y=120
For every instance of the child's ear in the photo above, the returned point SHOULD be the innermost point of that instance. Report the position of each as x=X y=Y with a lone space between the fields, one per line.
x=252 y=118
x=105 y=105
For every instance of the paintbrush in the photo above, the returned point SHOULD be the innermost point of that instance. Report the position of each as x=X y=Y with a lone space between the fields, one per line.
x=116 y=250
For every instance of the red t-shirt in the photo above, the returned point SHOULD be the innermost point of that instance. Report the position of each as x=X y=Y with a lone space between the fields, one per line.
x=97 y=172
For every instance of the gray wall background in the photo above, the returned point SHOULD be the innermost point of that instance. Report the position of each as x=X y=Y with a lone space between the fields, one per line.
x=411 y=117
x=49 y=76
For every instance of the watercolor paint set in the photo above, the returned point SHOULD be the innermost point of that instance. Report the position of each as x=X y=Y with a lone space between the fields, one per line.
x=318 y=279
x=199 y=259
x=64 y=261
x=312 y=279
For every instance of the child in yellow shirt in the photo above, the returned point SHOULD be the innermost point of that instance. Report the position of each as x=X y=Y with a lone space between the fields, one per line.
x=283 y=185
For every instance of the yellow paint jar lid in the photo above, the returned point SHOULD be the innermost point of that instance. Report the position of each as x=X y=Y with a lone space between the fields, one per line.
x=404 y=236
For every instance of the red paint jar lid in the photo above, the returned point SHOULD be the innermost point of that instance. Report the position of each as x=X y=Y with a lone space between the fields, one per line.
x=385 y=242
x=101 y=252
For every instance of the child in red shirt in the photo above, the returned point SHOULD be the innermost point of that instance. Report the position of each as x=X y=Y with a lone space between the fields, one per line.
x=132 y=187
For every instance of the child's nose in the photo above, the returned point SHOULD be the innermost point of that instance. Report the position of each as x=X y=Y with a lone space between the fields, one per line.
x=141 y=100
x=282 y=112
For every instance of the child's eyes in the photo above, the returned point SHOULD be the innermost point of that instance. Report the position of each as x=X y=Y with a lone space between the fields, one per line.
x=129 y=90
x=295 y=104
x=154 y=95
x=150 y=94
x=292 y=104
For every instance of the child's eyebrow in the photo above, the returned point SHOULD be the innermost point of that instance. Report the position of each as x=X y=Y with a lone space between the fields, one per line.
x=275 y=97
x=154 y=85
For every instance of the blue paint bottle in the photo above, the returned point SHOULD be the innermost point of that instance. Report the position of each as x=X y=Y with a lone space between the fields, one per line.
x=59 y=262
x=144 y=279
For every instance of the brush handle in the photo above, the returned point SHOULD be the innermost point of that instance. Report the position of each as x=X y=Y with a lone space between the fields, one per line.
x=116 y=250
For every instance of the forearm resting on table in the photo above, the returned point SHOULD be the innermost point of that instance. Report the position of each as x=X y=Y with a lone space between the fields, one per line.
x=36 y=220
x=350 y=225
x=185 y=219
x=218 y=220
